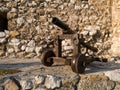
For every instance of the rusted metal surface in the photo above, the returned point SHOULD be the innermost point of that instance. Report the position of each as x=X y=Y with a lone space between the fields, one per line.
x=62 y=25
x=79 y=61
x=46 y=57
x=78 y=64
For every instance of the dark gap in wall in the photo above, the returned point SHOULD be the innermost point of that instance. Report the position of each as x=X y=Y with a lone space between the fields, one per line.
x=3 y=21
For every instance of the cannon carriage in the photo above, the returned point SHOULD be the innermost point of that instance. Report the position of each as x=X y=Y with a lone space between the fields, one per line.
x=78 y=61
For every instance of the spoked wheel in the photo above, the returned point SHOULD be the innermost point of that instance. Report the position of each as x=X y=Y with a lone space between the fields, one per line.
x=78 y=64
x=46 y=57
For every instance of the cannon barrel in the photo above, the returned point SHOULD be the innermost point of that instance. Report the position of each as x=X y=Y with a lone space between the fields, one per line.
x=89 y=47
x=62 y=25
x=67 y=30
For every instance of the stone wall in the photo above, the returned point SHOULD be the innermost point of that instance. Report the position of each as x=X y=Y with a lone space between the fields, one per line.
x=30 y=29
x=116 y=27
x=50 y=82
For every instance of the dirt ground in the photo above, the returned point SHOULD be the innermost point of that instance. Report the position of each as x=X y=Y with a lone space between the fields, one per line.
x=31 y=67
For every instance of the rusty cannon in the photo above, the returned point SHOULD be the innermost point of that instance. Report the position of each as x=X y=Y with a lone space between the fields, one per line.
x=78 y=61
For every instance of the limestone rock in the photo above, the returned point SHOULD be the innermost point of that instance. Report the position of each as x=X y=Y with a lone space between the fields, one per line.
x=70 y=83
x=20 y=54
x=2 y=53
x=13 y=10
x=29 y=49
x=72 y=1
x=77 y=7
x=1 y=4
x=2 y=34
x=68 y=47
x=11 y=15
x=16 y=49
x=3 y=40
x=14 y=34
x=53 y=82
x=115 y=46
x=10 y=50
x=113 y=75
x=1 y=88
x=15 y=42
x=40 y=88
x=117 y=87
x=31 y=43
x=26 y=84
x=39 y=79
x=95 y=85
x=23 y=47
x=88 y=28
x=11 y=85
x=38 y=50
x=85 y=32
x=20 y=21
x=97 y=78
x=92 y=32
x=30 y=55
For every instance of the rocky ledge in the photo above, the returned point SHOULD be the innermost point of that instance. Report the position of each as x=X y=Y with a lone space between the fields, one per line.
x=35 y=76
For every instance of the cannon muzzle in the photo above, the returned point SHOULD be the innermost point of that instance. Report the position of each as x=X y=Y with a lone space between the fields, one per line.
x=62 y=25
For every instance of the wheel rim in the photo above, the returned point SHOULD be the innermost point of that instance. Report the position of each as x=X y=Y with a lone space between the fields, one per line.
x=78 y=63
x=46 y=57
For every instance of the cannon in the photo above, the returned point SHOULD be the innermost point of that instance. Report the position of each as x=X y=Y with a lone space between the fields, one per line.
x=78 y=61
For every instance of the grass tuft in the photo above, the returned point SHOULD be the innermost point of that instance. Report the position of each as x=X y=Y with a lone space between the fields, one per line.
x=8 y=71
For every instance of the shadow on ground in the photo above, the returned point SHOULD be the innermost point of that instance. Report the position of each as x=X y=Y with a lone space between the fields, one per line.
x=99 y=68
x=19 y=65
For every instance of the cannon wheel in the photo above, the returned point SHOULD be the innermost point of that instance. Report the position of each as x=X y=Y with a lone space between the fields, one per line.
x=46 y=57
x=78 y=64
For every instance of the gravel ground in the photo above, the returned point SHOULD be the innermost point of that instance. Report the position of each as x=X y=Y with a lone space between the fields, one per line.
x=31 y=67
